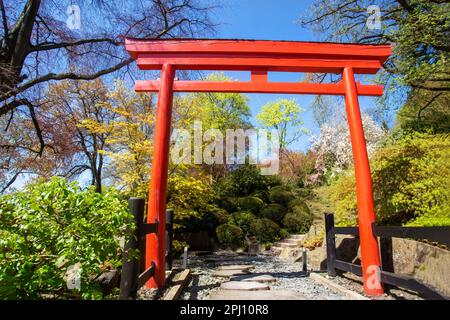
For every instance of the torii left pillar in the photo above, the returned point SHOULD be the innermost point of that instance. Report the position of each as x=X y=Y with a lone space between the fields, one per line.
x=155 y=244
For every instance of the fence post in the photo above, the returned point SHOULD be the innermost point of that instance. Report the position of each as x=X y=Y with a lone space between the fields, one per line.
x=169 y=238
x=331 y=244
x=131 y=265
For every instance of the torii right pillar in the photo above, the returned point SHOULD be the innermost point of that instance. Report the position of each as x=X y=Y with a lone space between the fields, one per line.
x=370 y=257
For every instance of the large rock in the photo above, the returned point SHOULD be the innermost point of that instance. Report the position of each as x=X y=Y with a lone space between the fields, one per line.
x=244 y=285
x=256 y=295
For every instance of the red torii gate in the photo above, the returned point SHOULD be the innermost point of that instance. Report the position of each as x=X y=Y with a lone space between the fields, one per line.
x=259 y=57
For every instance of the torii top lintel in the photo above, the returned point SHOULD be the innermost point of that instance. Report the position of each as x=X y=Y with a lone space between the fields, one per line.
x=259 y=57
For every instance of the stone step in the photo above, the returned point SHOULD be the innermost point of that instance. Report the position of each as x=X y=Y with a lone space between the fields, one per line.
x=228 y=273
x=287 y=245
x=243 y=267
x=276 y=248
x=264 y=278
x=256 y=295
x=294 y=241
x=299 y=237
x=244 y=285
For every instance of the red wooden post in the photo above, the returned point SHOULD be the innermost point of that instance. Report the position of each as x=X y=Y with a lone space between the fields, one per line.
x=370 y=258
x=155 y=244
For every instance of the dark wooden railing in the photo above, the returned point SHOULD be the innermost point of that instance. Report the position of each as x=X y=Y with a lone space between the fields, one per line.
x=134 y=275
x=434 y=234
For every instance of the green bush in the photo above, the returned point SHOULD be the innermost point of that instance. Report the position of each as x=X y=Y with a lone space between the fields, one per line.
x=49 y=227
x=410 y=180
x=299 y=220
x=273 y=211
x=284 y=234
x=280 y=195
x=243 y=220
x=243 y=181
x=265 y=230
x=221 y=215
x=230 y=235
x=297 y=203
x=252 y=204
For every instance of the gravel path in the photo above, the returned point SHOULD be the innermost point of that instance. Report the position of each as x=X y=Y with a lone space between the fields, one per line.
x=288 y=275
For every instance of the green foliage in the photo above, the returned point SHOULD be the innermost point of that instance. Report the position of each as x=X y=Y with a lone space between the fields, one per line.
x=298 y=221
x=50 y=226
x=284 y=234
x=243 y=181
x=284 y=116
x=274 y=211
x=243 y=220
x=265 y=230
x=280 y=195
x=253 y=204
x=221 y=215
x=297 y=203
x=411 y=183
x=190 y=198
x=230 y=235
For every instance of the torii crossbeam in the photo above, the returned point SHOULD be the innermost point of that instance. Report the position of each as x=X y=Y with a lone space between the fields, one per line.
x=259 y=57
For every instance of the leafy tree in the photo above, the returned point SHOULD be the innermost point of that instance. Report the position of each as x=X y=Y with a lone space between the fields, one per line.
x=49 y=227
x=333 y=146
x=410 y=179
x=284 y=116
x=419 y=30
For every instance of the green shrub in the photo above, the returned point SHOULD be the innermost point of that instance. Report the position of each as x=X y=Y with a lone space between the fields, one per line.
x=297 y=203
x=221 y=215
x=299 y=220
x=50 y=227
x=243 y=220
x=230 y=235
x=243 y=181
x=265 y=230
x=280 y=195
x=252 y=204
x=262 y=194
x=273 y=211
x=284 y=234
x=410 y=180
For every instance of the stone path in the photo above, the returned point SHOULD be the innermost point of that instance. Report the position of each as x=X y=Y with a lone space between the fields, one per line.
x=260 y=277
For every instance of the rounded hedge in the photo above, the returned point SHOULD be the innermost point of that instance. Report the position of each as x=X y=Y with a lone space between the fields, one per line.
x=274 y=211
x=298 y=221
x=297 y=203
x=280 y=196
x=230 y=235
x=243 y=219
x=221 y=215
x=252 y=204
x=265 y=230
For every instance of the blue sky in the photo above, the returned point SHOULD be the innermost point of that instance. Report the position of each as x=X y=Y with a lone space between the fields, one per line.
x=271 y=20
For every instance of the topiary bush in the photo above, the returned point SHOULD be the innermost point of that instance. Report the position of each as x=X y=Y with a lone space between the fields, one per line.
x=230 y=235
x=280 y=195
x=265 y=230
x=299 y=220
x=273 y=211
x=297 y=203
x=48 y=228
x=243 y=220
x=252 y=204
x=221 y=216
